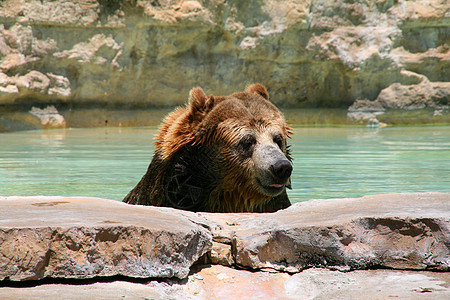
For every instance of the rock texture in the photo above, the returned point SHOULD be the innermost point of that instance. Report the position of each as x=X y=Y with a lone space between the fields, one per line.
x=399 y=231
x=83 y=238
x=178 y=254
x=431 y=98
x=218 y=282
x=133 y=54
x=87 y=237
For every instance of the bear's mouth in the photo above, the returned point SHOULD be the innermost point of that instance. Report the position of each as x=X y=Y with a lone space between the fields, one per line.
x=276 y=185
x=273 y=189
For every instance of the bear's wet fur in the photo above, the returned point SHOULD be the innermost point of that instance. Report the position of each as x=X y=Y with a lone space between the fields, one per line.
x=220 y=154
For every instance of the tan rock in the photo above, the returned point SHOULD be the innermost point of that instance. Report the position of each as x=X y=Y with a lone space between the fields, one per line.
x=221 y=254
x=87 y=237
x=401 y=231
x=87 y=52
x=34 y=81
x=49 y=117
x=218 y=282
x=60 y=85
x=80 y=12
x=422 y=95
x=398 y=101
x=95 y=290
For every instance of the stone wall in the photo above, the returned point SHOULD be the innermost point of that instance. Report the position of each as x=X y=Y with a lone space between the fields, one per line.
x=311 y=249
x=135 y=54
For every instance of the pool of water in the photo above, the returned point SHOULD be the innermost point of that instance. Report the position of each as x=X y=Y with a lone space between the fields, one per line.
x=328 y=162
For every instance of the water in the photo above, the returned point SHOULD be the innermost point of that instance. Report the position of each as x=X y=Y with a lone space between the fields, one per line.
x=328 y=162
x=352 y=162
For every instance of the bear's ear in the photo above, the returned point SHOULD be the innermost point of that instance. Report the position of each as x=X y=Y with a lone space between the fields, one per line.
x=258 y=89
x=199 y=103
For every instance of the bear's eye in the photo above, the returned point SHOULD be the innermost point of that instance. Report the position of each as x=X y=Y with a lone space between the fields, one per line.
x=246 y=144
x=278 y=139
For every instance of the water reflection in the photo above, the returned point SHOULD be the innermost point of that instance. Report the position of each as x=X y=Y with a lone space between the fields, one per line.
x=328 y=162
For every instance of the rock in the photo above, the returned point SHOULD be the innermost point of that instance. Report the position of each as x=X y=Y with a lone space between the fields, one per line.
x=88 y=237
x=218 y=282
x=399 y=231
x=49 y=117
x=60 y=85
x=64 y=237
x=221 y=254
x=34 y=81
x=426 y=94
x=134 y=54
x=95 y=290
x=224 y=283
x=374 y=284
x=433 y=96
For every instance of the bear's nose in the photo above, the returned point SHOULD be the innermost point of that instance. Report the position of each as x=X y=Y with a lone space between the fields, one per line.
x=282 y=169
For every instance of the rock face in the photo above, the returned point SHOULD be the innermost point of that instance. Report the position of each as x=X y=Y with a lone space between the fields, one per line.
x=400 y=232
x=87 y=237
x=83 y=238
x=132 y=54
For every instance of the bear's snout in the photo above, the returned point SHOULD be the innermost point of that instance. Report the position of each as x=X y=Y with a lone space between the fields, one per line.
x=281 y=170
x=273 y=169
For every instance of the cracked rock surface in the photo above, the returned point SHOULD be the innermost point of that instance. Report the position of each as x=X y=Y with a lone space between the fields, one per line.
x=91 y=247
x=403 y=231
x=70 y=237
x=219 y=282
x=86 y=237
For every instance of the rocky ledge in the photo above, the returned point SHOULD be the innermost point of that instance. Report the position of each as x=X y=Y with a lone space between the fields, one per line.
x=69 y=55
x=312 y=248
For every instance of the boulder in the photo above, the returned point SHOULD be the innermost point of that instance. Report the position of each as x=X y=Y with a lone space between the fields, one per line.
x=87 y=237
x=398 y=231
x=426 y=102
x=49 y=117
x=70 y=237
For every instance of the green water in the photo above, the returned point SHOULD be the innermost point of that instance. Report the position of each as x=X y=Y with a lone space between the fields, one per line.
x=328 y=162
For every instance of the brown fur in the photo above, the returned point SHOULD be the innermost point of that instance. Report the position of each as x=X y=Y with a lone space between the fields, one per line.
x=217 y=124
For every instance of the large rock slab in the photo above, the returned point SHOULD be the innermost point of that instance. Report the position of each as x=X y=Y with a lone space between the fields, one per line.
x=87 y=237
x=400 y=231
x=66 y=237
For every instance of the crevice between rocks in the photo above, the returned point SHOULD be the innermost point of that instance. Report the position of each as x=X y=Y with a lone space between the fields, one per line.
x=72 y=281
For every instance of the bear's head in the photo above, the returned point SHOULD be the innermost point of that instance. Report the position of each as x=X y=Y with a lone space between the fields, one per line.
x=246 y=135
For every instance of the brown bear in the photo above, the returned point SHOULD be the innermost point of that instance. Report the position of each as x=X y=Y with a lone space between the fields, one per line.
x=220 y=154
